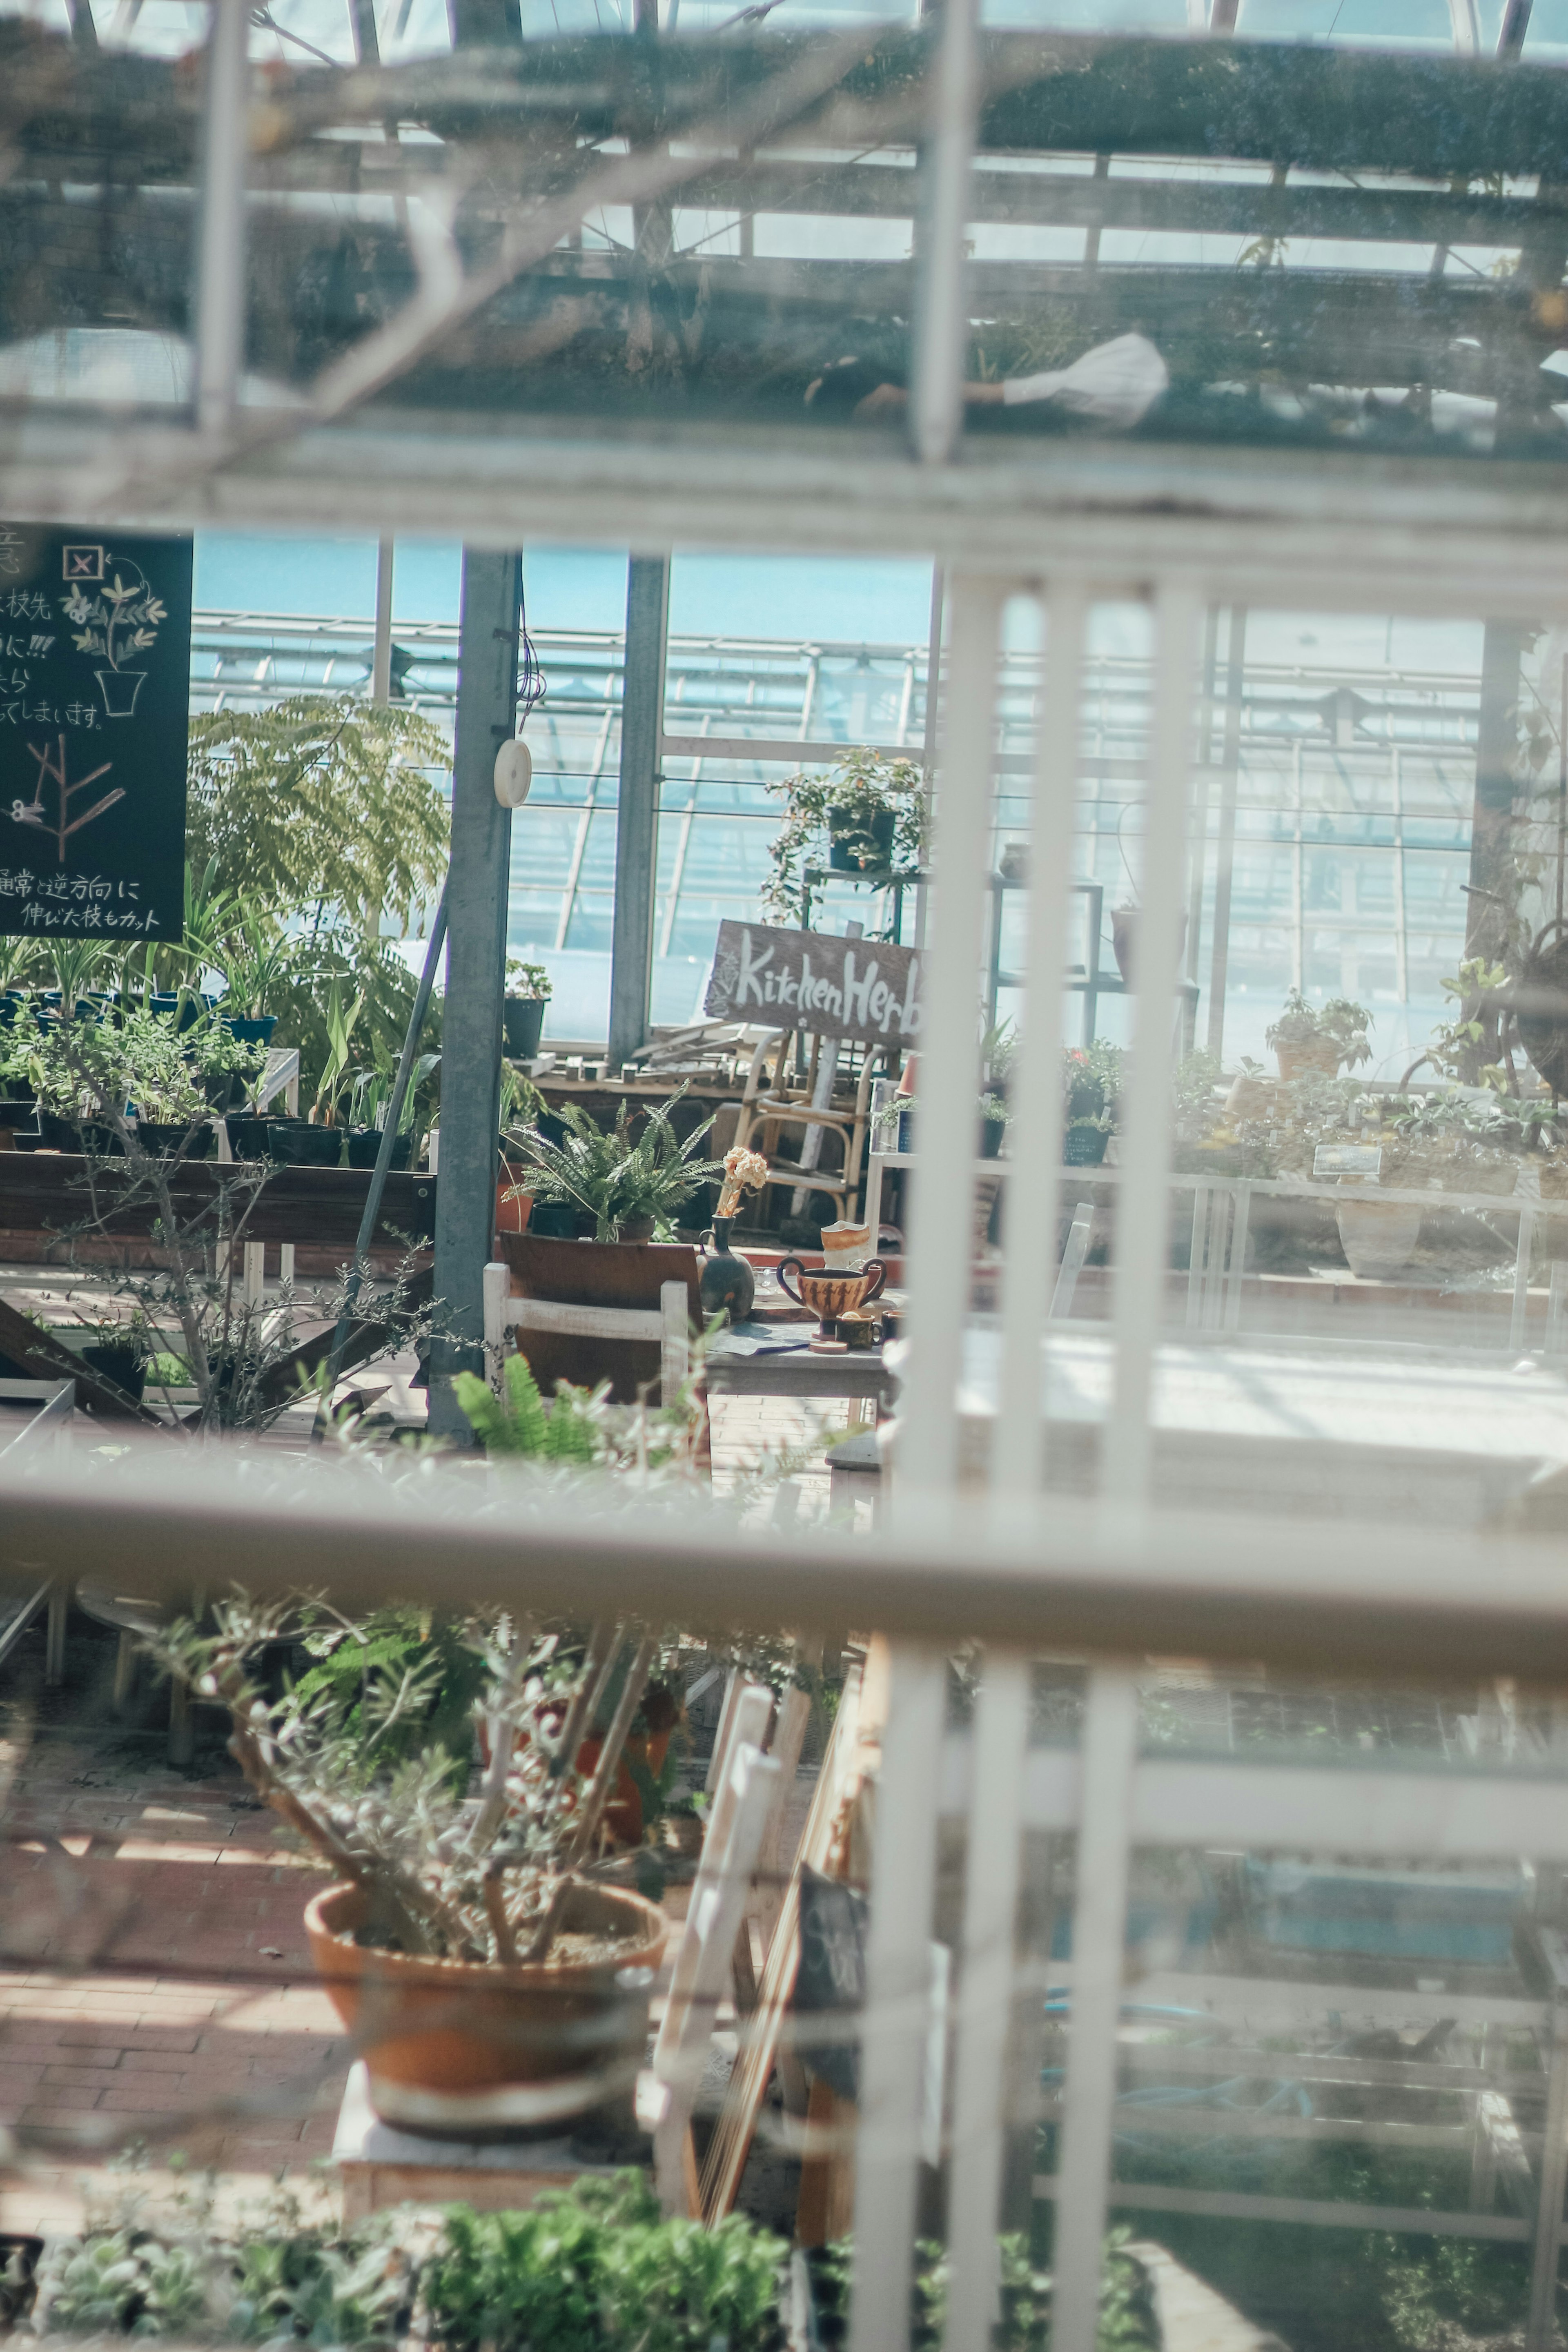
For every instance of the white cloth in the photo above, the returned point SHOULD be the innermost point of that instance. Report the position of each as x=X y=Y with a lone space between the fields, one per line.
x=1116 y=383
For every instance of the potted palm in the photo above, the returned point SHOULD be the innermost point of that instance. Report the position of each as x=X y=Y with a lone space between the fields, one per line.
x=528 y=991
x=1329 y=1038
x=493 y=1983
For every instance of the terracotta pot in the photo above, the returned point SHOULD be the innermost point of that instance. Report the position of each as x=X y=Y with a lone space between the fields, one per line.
x=597 y=1274
x=1307 y=1056
x=1377 y=1236
x=458 y=2049
x=829 y=1296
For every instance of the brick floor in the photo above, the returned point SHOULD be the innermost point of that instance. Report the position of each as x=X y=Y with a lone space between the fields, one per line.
x=154 y=1978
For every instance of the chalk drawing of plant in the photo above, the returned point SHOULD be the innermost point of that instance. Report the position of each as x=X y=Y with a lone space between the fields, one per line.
x=117 y=624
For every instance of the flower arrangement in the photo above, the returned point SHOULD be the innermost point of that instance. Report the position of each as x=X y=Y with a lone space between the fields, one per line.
x=744 y=1172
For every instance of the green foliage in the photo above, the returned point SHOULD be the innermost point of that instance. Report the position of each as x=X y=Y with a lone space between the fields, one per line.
x=616 y=1180
x=126 y=2281
x=322 y=800
x=863 y=783
x=528 y=980
x=1338 y=1022
x=88 y=1066
x=1457 y=1044
x=384 y=1648
x=1126 y=2321
x=596 y=2269
x=517 y=1422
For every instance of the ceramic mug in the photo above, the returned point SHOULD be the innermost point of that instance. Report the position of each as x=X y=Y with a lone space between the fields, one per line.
x=828 y=1294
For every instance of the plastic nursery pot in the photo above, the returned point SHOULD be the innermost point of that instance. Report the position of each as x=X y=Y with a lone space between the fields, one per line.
x=365 y=1143
x=296 y=1143
x=25 y=1114
x=126 y=1366
x=466 y=2049
x=522 y=1025
x=634 y=1229
x=224 y=1091
x=249 y=1139
x=1084 y=1146
x=250 y=1033
x=57 y=1134
x=555 y=1221
x=168 y=1139
x=190 y=1009
x=992 y=1130
x=860 y=844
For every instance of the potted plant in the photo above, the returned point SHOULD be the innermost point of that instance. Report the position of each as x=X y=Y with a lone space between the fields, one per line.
x=1091 y=1081
x=1328 y=1038
x=529 y=989
x=494 y=1983
x=867 y=815
x=630 y=1187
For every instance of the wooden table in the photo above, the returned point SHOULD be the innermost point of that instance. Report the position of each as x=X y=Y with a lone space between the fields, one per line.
x=796 y=1370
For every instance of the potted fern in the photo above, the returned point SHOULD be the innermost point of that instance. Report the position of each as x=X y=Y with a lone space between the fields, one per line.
x=493 y=1982
x=630 y=1186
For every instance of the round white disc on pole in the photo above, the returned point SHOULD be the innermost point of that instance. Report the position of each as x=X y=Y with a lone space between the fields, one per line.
x=514 y=772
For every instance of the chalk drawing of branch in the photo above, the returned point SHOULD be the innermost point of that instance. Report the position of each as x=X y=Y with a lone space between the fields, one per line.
x=52 y=770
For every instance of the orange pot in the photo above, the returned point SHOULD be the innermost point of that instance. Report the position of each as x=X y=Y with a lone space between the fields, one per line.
x=461 y=2049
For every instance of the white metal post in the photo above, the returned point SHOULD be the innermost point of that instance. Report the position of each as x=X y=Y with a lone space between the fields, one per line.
x=898 y=1999
x=1036 y=1093
x=1099 y=1926
x=220 y=269
x=941 y=326
x=948 y=1081
x=985 y=2000
x=1138 y=1284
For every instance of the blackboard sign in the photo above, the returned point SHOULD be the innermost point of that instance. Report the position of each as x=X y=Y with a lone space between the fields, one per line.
x=95 y=666
x=808 y=980
x=831 y=1978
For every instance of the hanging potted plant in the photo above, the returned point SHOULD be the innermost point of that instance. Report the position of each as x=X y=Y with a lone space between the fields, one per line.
x=529 y=988
x=867 y=818
x=1326 y=1038
x=494 y=1984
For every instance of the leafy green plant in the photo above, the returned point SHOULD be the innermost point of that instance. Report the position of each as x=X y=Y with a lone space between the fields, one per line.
x=597 y=2269
x=1126 y=2320
x=1339 y=1024
x=862 y=786
x=617 y=1180
x=528 y=980
x=322 y=800
x=516 y=1422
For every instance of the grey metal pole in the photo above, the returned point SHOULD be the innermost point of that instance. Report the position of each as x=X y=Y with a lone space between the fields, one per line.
x=381 y=659
x=477 y=879
x=636 y=820
x=220 y=268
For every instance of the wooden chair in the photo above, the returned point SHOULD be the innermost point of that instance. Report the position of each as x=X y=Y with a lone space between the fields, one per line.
x=769 y=1106
x=667 y=1324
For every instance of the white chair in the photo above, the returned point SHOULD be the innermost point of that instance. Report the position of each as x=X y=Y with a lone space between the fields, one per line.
x=667 y=1323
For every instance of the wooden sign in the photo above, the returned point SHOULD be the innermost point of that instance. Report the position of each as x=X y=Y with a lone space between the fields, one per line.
x=95 y=670
x=808 y=980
